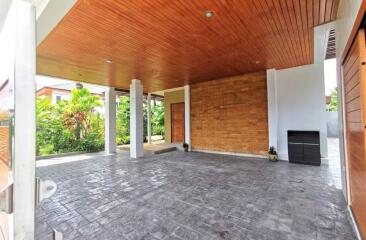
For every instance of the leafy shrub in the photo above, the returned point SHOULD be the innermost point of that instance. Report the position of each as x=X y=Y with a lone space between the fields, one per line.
x=75 y=125
x=157 y=119
x=46 y=149
x=333 y=104
x=69 y=126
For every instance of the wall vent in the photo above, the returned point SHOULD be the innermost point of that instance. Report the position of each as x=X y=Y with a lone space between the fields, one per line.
x=331 y=45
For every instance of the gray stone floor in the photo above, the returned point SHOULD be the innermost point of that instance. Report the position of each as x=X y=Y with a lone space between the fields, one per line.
x=196 y=196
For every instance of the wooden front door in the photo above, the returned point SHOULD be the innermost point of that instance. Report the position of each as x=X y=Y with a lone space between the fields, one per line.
x=354 y=85
x=177 y=116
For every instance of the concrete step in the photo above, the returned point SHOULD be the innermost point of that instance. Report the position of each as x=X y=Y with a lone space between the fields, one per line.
x=165 y=150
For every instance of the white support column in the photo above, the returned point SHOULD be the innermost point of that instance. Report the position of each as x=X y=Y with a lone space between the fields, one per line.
x=110 y=134
x=272 y=107
x=149 y=118
x=25 y=121
x=136 y=119
x=187 y=116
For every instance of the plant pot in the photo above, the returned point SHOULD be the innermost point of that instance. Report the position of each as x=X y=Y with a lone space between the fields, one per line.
x=273 y=157
x=186 y=149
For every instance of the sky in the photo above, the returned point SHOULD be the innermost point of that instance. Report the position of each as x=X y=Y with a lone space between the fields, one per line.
x=330 y=75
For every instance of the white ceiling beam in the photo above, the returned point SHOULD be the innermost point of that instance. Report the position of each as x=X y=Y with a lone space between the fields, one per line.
x=49 y=14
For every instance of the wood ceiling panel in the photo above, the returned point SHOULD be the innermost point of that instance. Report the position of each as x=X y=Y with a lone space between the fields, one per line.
x=168 y=43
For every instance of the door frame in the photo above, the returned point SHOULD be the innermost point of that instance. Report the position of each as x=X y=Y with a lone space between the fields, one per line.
x=171 y=122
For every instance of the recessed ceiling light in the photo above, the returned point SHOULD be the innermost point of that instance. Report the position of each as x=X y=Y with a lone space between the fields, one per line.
x=108 y=61
x=257 y=62
x=79 y=85
x=209 y=14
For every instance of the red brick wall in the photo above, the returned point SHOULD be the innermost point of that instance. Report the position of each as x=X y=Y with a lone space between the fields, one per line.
x=45 y=92
x=230 y=114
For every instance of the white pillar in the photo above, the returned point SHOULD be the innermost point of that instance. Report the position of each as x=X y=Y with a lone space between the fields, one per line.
x=272 y=107
x=25 y=121
x=187 y=116
x=149 y=118
x=136 y=119
x=110 y=134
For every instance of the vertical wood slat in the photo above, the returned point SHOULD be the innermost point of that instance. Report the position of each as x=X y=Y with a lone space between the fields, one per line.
x=334 y=9
x=322 y=9
x=173 y=44
x=316 y=4
x=355 y=128
x=328 y=10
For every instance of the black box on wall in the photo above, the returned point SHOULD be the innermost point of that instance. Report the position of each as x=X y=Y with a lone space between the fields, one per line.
x=304 y=147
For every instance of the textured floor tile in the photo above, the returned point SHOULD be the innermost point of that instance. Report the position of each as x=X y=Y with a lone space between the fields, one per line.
x=192 y=196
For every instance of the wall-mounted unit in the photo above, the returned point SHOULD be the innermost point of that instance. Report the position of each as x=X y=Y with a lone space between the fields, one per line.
x=304 y=147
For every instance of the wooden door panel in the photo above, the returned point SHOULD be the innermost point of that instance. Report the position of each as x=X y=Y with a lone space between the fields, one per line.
x=353 y=105
x=353 y=94
x=351 y=59
x=354 y=116
x=177 y=116
x=354 y=80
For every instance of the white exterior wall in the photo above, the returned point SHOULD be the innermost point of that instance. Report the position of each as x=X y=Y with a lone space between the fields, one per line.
x=347 y=13
x=296 y=99
x=332 y=125
x=62 y=94
x=301 y=104
x=272 y=108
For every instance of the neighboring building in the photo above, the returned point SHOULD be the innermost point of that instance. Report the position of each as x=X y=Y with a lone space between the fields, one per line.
x=62 y=91
x=5 y=113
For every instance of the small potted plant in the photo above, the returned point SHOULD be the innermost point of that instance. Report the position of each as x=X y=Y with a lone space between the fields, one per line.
x=185 y=147
x=272 y=154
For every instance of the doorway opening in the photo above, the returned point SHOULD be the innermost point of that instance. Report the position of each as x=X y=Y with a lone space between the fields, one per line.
x=332 y=106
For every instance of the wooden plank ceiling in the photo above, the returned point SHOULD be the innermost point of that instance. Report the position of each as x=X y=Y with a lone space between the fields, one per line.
x=168 y=43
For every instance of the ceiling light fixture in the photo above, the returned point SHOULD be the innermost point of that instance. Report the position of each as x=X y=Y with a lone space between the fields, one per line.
x=209 y=14
x=108 y=61
x=257 y=62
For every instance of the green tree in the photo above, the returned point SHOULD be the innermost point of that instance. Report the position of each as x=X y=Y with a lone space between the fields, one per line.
x=332 y=106
x=79 y=111
x=75 y=125
x=69 y=126
x=157 y=119
x=45 y=126
x=123 y=120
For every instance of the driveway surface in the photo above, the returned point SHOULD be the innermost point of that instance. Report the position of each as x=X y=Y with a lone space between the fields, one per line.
x=198 y=196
